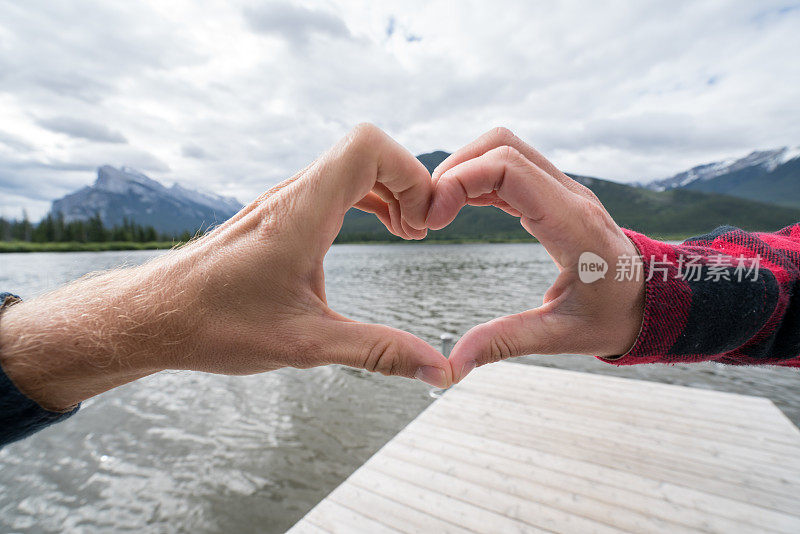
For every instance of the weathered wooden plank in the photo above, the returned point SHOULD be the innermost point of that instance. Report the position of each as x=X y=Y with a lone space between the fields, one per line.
x=631 y=414
x=737 y=411
x=307 y=527
x=517 y=448
x=614 y=389
x=618 y=488
x=744 y=484
x=390 y=511
x=335 y=518
x=437 y=503
x=724 y=451
x=504 y=503
x=659 y=389
x=550 y=507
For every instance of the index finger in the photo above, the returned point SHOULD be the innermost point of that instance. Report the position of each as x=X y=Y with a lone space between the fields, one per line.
x=350 y=170
x=500 y=136
x=548 y=210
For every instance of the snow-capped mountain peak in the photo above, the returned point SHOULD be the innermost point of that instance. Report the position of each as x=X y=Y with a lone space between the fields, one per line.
x=789 y=153
x=768 y=160
x=123 y=180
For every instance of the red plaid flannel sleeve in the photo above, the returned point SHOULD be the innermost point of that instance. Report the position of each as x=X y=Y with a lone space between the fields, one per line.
x=730 y=296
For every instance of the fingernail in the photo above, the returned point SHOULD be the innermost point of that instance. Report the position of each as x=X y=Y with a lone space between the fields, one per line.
x=431 y=210
x=436 y=206
x=466 y=369
x=431 y=375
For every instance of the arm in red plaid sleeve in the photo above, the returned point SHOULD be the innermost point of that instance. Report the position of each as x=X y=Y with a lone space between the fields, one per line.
x=730 y=296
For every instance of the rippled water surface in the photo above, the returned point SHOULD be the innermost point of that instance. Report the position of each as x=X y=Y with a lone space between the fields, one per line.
x=190 y=452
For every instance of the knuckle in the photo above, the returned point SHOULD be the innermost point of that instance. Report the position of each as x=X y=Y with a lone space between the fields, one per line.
x=379 y=358
x=509 y=154
x=502 y=345
x=499 y=349
x=503 y=135
x=594 y=211
x=365 y=134
x=577 y=185
x=585 y=192
x=268 y=218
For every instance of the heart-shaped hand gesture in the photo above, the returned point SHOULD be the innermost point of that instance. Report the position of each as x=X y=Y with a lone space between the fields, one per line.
x=262 y=282
x=250 y=296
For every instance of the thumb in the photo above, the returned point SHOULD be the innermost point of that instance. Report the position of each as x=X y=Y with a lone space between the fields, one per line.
x=382 y=349
x=535 y=331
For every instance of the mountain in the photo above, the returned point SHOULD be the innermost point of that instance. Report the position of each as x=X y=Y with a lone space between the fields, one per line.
x=432 y=159
x=683 y=211
x=661 y=213
x=766 y=175
x=126 y=193
x=659 y=209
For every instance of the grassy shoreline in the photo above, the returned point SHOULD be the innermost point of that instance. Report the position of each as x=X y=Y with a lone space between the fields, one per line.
x=24 y=246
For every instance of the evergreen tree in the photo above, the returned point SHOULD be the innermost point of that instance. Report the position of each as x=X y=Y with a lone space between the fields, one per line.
x=45 y=232
x=23 y=230
x=150 y=234
x=5 y=229
x=59 y=227
x=95 y=231
x=54 y=229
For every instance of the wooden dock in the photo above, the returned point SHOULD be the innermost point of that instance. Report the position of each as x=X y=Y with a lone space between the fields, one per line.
x=521 y=448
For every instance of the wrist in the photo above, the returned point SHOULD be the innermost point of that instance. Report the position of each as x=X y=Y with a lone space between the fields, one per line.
x=620 y=314
x=635 y=289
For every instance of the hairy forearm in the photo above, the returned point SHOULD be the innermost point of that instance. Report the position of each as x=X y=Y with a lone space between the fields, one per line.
x=92 y=335
x=248 y=297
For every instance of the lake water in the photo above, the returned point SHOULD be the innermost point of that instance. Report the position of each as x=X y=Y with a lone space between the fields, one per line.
x=191 y=452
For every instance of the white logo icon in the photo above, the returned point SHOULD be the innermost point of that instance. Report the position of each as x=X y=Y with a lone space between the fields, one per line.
x=591 y=267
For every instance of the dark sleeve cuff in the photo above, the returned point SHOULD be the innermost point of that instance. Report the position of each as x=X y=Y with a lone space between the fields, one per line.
x=19 y=415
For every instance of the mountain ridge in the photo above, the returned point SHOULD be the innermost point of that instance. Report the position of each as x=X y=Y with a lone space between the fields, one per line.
x=659 y=213
x=771 y=176
x=127 y=194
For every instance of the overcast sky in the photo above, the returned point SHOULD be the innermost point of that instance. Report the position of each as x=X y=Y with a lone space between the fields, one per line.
x=235 y=96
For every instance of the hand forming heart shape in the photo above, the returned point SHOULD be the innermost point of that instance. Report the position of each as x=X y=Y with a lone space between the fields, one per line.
x=601 y=318
x=258 y=279
x=250 y=296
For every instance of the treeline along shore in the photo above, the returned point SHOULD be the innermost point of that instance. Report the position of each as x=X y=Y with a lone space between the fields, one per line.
x=669 y=215
x=664 y=212
x=54 y=234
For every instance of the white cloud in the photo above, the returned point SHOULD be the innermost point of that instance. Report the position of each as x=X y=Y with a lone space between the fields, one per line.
x=191 y=150
x=82 y=129
x=236 y=96
x=295 y=23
